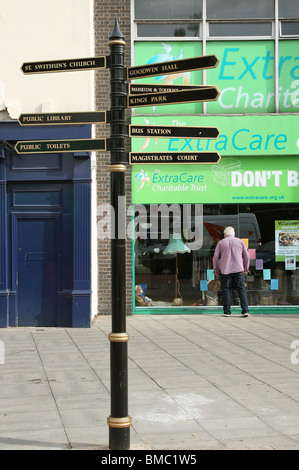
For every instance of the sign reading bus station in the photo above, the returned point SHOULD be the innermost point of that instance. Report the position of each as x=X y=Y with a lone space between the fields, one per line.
x=174 y=131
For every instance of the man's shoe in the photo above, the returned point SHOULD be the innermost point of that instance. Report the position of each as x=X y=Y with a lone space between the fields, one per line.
x=226 y=314
x=245 y=314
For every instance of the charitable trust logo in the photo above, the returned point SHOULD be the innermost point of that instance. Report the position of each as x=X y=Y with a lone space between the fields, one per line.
x=142 y=178
x=169 y=181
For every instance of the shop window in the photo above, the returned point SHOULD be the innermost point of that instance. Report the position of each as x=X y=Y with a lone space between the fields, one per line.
x=240 y=9
x=240 y=29
x=288 y=9
x=162 y=30
x=167 y=9
x=187 y=280
x=290 y=29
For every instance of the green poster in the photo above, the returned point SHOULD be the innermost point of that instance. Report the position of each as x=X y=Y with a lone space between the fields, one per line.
x=156 y=51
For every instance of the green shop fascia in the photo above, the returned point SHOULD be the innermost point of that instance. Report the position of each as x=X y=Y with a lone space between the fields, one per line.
x=259 y=165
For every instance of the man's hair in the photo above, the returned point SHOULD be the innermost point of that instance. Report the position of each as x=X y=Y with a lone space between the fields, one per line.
x=229 y=231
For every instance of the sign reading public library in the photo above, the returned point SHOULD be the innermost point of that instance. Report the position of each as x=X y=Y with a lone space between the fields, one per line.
x=61 y=118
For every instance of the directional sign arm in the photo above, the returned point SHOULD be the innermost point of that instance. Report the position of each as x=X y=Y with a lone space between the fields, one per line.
x=175 y=66
x=156 y=99
x=173 y=131
x=65 y=65
x=174 y=158
x=60 y=146
x=144 y=88
x=61 y=118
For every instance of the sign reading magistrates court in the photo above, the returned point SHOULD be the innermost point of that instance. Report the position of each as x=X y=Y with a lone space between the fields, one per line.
x=174 y=157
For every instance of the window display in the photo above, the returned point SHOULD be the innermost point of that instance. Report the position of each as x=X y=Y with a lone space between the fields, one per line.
x=169 y=274
x=253 y=187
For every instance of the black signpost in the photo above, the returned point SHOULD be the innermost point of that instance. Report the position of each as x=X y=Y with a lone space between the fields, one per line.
x=119 y=421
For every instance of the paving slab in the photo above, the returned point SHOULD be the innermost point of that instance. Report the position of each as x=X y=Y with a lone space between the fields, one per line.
x=196 y=382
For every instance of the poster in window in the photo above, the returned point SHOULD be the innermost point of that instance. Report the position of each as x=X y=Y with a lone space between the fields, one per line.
x=286 y=240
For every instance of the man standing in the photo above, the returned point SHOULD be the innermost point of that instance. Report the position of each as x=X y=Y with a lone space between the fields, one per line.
x=231 y=259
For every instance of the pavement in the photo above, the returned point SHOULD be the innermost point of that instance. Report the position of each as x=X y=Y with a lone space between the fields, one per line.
x=196 y=382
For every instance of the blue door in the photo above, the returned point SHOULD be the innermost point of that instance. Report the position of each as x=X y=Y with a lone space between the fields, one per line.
x=36 y=276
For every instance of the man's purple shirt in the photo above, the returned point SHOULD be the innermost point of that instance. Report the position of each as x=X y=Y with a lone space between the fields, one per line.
x=233 y=256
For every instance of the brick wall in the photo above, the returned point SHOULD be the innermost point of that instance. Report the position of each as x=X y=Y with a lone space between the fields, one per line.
x=105 y=12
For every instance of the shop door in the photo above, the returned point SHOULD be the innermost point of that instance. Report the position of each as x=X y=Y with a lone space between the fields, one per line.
x=36 y=276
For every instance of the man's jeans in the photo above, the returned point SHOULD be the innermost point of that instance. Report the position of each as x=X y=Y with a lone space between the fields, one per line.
x=228 y=282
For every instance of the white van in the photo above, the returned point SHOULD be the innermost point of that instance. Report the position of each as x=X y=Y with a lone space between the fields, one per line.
x=245 y=225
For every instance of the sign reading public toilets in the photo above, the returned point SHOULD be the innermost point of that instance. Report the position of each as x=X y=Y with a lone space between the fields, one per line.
x=61 y=146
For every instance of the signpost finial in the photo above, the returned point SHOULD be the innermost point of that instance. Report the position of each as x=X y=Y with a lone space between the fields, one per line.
x=116 y=34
